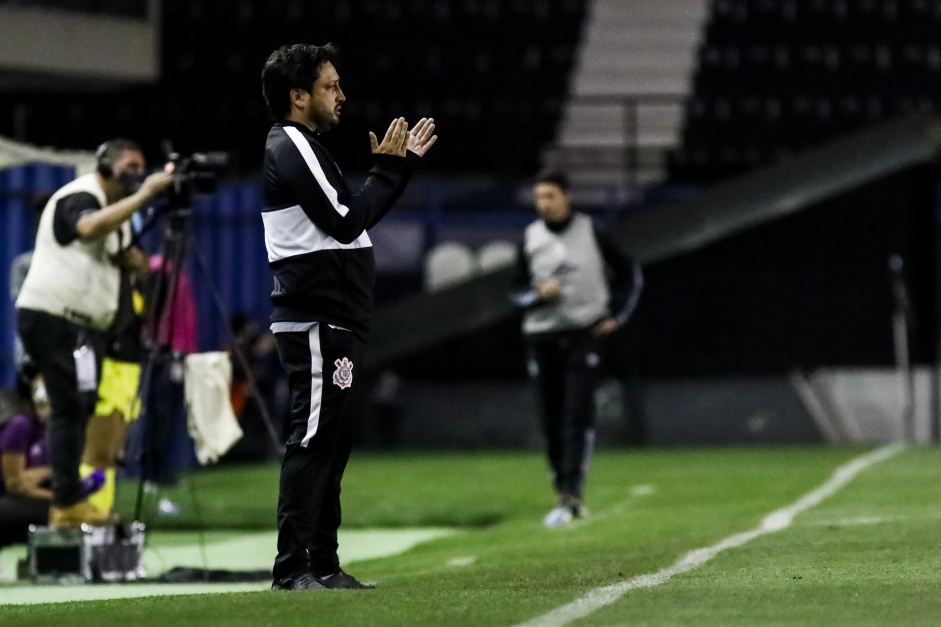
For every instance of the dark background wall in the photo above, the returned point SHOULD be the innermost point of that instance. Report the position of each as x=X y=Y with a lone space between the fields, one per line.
x=492 y=73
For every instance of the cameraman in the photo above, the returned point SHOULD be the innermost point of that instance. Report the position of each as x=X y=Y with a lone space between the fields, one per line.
x=70 y=297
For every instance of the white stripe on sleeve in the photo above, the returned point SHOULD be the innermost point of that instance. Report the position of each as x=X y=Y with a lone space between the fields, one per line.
x=316 y=169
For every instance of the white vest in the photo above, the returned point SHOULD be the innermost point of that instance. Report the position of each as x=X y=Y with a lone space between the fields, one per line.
x=572 y=257
x=78 y=281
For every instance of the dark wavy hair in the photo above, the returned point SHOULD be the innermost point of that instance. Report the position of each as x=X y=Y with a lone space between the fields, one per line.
x=553 y=176
x=292 y=67
x=114 y=148
x=18 y=401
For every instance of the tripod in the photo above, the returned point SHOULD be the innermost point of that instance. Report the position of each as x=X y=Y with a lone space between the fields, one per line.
x=160 y=359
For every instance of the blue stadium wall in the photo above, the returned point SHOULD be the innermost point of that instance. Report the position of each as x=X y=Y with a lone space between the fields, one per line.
x=227 y=232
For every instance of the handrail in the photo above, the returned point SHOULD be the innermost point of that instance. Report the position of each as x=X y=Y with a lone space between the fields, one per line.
x=630 y=105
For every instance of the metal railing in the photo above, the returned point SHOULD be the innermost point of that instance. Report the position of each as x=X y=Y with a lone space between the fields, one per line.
x=631 y=106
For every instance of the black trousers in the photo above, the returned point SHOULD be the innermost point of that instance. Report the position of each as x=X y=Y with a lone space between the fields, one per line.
x=50 y=341
x=17 y=513
x=321 y=365
x=566 y=368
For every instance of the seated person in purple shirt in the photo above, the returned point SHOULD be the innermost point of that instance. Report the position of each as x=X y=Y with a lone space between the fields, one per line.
x=24 y=462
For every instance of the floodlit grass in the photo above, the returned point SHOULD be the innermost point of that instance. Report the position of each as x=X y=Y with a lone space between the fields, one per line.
x=406 y=490
x=866 y=556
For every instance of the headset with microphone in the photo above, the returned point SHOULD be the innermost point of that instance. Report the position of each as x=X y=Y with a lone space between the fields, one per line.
x=104 y=166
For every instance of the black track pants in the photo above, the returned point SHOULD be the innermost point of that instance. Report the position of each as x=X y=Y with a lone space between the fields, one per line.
x=50 y=341
x=322 y=367
x=566 y=368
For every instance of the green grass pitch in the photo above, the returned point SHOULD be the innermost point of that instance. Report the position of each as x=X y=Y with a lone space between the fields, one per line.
x=868 y=555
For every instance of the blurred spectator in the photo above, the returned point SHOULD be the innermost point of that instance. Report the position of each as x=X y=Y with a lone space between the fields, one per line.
x=24 y=461
x=159 y=445
x=178 y=324
x=261 y=351
x=118 y=403
x=18 y=270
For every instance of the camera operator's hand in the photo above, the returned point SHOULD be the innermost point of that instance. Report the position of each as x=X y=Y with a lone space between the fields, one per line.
x=156 y=183
x=108 y=219
x=550 y=289
x=395 y=142
x=422 y=137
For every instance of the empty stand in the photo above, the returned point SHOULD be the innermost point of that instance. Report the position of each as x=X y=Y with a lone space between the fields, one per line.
x=777 y=76
x=492 y=72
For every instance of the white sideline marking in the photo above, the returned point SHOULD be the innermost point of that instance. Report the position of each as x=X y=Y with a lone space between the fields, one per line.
x=852 y=522
x=870 y=520
x=642 y=490
x=462 y=561
x=775 y=521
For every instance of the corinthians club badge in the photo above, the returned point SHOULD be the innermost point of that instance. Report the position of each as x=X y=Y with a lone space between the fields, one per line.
x=343 y=375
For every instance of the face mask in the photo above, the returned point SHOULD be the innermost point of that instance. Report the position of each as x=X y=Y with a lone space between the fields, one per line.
x=40 y=396
x=130 y=182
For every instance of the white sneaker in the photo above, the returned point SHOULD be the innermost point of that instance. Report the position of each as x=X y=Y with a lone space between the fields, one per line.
x=558 y=517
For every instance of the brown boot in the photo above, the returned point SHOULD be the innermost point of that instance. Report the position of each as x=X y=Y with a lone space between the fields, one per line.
x=80 y=513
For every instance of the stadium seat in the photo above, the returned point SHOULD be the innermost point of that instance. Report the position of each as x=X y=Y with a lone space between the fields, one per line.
x=496 y=255
x=448 y=264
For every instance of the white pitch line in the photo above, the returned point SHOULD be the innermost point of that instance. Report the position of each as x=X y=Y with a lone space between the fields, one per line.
x=863 y=520
x=871 y=520
x=775 y=521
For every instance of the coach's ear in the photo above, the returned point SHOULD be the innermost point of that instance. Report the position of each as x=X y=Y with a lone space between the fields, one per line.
x=300 y=99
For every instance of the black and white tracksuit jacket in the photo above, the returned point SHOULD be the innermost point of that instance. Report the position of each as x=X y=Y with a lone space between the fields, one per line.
x=315 y=229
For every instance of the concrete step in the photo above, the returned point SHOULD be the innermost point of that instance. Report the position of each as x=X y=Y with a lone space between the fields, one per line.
x=613 y=118
x=616 y=141
x=606 y=155
x=629 y=47
x=599 y=177
x=644 y=36
x=663 y=9
x=624 y=79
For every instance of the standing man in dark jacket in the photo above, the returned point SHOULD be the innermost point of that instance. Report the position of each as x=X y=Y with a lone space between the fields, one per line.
x=322 y=260
x=575 y=288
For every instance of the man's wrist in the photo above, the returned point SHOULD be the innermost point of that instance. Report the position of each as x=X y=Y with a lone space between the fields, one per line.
x=142 y=195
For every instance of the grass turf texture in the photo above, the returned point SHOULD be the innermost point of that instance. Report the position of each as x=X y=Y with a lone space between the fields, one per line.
x=868 y=555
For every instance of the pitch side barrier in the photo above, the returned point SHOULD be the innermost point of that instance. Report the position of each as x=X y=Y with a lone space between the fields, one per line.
x=422 y=321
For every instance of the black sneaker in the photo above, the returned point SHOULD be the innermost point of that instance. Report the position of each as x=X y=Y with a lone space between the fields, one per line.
x=305 y=581
x=343 y=581
x=575 y=505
